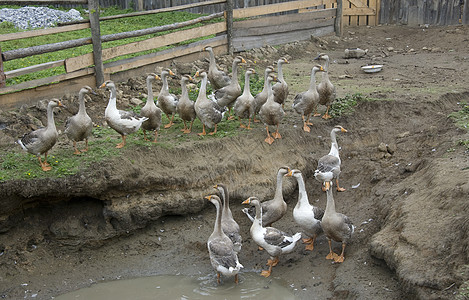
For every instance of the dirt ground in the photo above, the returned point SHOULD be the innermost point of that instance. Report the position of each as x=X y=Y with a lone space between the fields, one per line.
x=144 y=214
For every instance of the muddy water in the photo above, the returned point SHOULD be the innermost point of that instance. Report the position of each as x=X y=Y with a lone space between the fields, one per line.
x=251 y=286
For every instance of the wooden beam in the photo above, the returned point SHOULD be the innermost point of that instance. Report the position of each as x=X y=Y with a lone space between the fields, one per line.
x=339 y=21
x=53 y=90
x=229 y=24
x=154 y=11
x=25 y=52
x=2 y=73
x=465 y=12
x=79 y=62
x=35 y=68
x=45 y=81
x=93 y=7
x=358 y=3
x=283 y=19
x=359 y=12
x=146 y=31
x=282 y=28
x=41 y=32
x=42 y=2
x=250 y=42
x=41 y=49
x=164 y=55
x=276 y=8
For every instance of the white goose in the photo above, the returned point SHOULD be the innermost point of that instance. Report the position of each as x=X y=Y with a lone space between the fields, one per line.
x=307 y=216
x=274 y=241
x=329 y=165
x=124 y=122
x=222 y=256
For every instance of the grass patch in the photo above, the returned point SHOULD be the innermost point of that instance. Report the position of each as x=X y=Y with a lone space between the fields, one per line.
x=107 y=27
x=461 y=117
x=345 y=105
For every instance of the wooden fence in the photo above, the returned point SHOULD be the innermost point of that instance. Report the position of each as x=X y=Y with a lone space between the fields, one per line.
x=256 y=29
x=432 y=12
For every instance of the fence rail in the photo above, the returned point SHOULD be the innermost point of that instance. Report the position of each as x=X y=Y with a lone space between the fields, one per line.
x=231 y=34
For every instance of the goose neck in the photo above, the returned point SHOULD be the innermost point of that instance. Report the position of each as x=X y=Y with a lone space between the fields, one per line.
x=312 y=82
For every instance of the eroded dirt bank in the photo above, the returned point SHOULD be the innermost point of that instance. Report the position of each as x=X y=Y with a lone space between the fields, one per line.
x=143 y=213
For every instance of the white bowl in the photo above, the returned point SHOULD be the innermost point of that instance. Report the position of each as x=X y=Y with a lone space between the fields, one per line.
x=372 y=68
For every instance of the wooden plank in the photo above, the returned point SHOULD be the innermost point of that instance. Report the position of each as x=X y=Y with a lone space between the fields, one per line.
x=173 y=53
x=44 y=81
x=79 y=62
x=155 y=11
x=353 y=15
x=355 y=12
x=372 y=19
x=280 y=28
x=42 y=2
x=35 y=68
x=358 y=3
x=54 y=90
x=276 y=8
x=41 y=32
x=247 y=43
x=276 y=20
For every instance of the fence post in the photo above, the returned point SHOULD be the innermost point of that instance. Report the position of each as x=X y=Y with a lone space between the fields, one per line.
x=2 y=73
x=229 y=25
x=93 y=6
x=338 y=19
x=465 y=12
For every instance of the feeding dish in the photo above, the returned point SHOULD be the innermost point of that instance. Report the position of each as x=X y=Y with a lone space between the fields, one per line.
x=372 y=68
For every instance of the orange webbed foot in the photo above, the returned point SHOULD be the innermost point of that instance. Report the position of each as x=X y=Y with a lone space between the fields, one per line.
x=277 y=135
x=269 y=140
x=265 y=273
x=306 y=128
x=339 y=259
x=332 y=255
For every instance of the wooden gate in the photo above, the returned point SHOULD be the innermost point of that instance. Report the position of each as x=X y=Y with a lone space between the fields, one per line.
x=360 y=12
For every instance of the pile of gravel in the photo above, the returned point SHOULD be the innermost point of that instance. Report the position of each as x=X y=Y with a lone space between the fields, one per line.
x=37 y=17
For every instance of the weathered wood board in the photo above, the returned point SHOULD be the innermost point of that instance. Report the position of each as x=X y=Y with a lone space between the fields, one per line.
x=79 y=62
x=250 y=42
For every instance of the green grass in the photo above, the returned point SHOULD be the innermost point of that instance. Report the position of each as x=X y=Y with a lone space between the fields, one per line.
x=107 y=27
x=22 y=165
x=345 y=105
x=461 y=117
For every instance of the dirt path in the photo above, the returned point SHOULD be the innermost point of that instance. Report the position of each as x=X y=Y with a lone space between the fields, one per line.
x=144 y=214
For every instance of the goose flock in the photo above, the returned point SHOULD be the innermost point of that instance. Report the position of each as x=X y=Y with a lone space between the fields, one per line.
x=313 y=221
x=225 y=242
x=268 y=106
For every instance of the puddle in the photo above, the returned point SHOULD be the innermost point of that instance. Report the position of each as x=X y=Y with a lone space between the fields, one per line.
x=251 y=286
